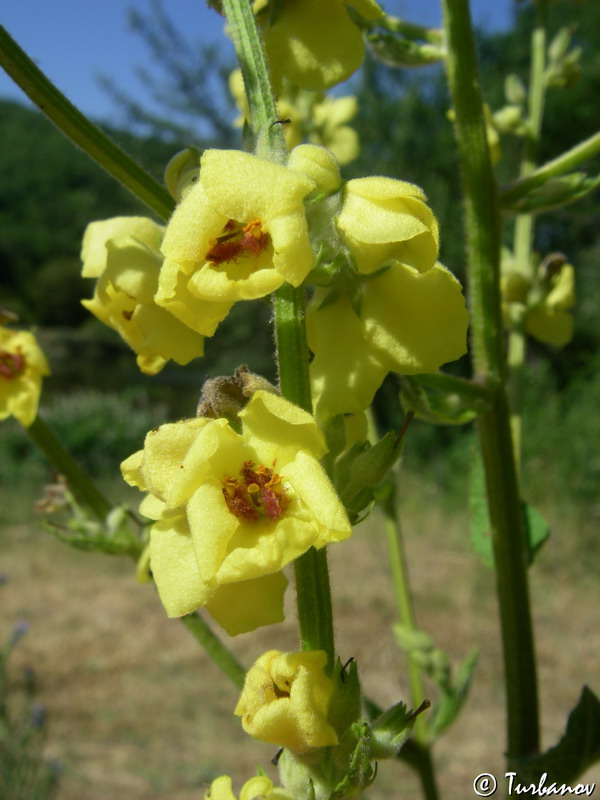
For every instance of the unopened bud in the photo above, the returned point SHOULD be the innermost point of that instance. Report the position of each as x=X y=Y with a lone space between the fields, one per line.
x=182 y=171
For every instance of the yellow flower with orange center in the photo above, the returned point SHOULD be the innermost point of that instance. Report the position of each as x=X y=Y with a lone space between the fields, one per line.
x=231 y=507
x=22 y=367
x=239 y=232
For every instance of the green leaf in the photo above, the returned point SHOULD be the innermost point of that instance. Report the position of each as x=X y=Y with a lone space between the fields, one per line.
x=577 y=750
x=453 y=696
x=114 y=536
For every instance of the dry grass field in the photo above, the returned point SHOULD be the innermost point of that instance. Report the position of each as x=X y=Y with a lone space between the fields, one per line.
x=136 y=711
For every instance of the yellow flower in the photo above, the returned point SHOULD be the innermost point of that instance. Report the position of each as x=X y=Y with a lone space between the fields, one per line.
x=238 y=607
x=550 y=321
x=383 y=219
x=238 y=234
x=285 y=700
x=123 y=253
x=543 y=303
x=409 y=322
x=257 y=788
x=22 y=367
x=233 y=507
x=314 y=43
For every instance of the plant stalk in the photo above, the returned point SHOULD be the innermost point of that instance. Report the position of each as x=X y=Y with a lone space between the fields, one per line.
x=483 y=238
x=94 y=142
x=215 y=648
x=79 y=482
x=312 y=576
x=572 y=158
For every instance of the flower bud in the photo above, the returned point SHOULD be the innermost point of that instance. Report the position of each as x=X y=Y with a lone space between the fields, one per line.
x=182 y=171
x=318 y=164
x=285 y=701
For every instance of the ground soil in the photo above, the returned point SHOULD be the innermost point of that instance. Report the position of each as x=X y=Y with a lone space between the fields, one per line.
x=137 y=711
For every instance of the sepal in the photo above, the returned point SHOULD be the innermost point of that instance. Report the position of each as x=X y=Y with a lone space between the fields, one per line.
x=360 y=773
x=391 y=729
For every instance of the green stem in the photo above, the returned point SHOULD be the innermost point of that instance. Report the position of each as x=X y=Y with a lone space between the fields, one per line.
x=79 y=129
x=255 y=72
x=424 y=763
x=81 y=485
x=479 y=186
x=524 y=223
x=483 y=225
x=418 y=756
x=312 y=576
x=215 y=648
x=558 y=166
x=294 y=380
x=313 y=592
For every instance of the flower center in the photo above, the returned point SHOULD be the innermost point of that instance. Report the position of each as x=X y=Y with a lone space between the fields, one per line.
x=258 y=493
x=11 y=364
x=237 y=241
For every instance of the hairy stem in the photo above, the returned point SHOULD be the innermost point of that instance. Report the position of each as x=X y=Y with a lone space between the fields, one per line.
x=215 y=648
x=311 y=571
x=79 y=482
x=483 y=226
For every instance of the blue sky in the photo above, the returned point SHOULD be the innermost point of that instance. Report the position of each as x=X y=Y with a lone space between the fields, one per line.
x=74 y=42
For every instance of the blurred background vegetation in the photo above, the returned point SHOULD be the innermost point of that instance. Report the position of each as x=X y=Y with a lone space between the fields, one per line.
x=102 y=406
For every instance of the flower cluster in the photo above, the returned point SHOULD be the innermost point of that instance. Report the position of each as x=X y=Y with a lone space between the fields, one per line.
x=232 y=509
x=404 y=313
x=543 y=302
x=243 y=237
x=22 y=367
x=164 y=290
